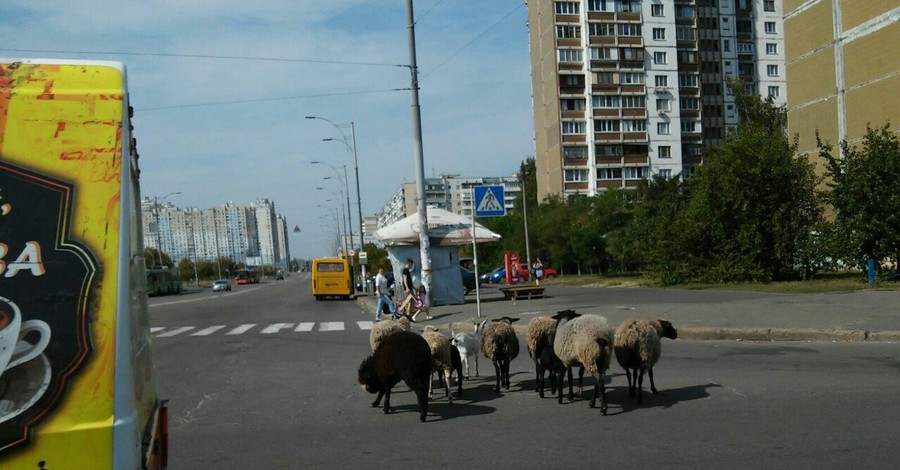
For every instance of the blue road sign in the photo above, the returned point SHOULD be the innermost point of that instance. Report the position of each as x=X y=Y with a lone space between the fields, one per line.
x=489 y=201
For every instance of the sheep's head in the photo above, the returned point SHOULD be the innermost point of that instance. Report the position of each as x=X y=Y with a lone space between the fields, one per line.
x=479 y=327
x=367 y=376
x=506 y=320
x=565 y=315
x=667 y=330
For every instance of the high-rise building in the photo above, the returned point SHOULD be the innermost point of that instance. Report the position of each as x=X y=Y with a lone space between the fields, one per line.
x=627 y=89
x=842 y=68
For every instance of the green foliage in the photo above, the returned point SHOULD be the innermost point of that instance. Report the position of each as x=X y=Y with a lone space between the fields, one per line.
x=186 y=269
x=152 y=258
x=865 y=196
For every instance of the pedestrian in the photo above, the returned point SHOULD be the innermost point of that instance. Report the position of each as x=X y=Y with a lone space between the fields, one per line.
x=419 y=304
x=406 y=277
x=381 y=291
x=538 y=269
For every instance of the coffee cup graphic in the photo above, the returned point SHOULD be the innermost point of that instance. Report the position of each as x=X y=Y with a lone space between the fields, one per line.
x=14 y=349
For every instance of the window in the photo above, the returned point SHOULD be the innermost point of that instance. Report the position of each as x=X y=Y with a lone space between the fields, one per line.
x=772 y=70
x=657 y=10
x=634 y=101
x=667 y=174
x=661 y=80
x=771 y=48
x=690 y=103
x=662 y=128
x=688 y=80
x=603 y=53
x=634 y=125
x=571 y=104
x=726 y=45
x=689 y=126
x=634 y=173
x=665 y=151
x=602 y=29
x=567 y=8
x=659 y=57
x=684 y=11
x=609 y=150
x=659 y=34
x=609 y=173
x=773 y=91
x=745 y=68
x=631 y=78
x=570 y=80
x=570 y=55
x=606 y=125
x=631 y=53
x=605 y=101
x=628 y=29
x=745 y=48
x=575 y=153
x=770 y=27
x=576 y=176
x=684 y=33
x=687 y=57
x=628 y=6
x=601 y=5
x=605 y=78
x=662 y=104
x=573 y=127
x=568 y=32
x=769 y=5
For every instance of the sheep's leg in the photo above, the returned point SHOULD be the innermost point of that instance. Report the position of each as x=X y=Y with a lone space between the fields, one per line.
x=431 y=384
x=640 y=386
x=377 y=400
x=539 y=377
x=580 y=381
x=571 y=395
x=505 y=365
x=465 y=363
x=459 y=383
x=602 y=387
x=652 y=385
x=476 y=364
x=387 y=400
x=497 y=372
x=598 y=382
x=446 y=372
x=422 y=398
x=630 y=387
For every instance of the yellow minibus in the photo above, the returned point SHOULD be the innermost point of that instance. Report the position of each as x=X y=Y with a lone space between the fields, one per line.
x=331 y=278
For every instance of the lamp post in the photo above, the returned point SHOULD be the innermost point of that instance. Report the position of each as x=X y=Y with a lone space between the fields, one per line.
x=156 y=203
x=356 y=170
x=344 y=219
x=345 y=187
x=337 y=220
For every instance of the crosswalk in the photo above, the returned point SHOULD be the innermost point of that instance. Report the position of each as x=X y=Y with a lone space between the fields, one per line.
x=253 y=328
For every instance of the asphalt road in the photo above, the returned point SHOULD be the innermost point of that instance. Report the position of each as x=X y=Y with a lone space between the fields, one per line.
x=282 y=393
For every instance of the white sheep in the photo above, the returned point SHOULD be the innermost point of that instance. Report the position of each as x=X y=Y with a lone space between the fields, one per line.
x=468 y=345
x=638 y=347
x=382 y=329
x=585 y=341
x=539 y=340
x=500 y=344
x=441 y=357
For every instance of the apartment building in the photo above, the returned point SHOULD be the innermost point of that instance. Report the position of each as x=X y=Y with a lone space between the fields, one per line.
x=843 y=68
x=449 y=192
x=627 y=89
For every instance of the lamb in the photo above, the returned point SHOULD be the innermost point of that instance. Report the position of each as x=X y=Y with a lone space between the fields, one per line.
x=500 y=345
x=384 y=328
x=468 y=345
x=441 y=358
x=638 y=347
x=401 y=356
x=539 y=340
x=456 y=362
x=585 y=341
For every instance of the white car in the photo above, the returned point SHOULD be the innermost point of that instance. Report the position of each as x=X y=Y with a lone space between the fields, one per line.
x=221 y=285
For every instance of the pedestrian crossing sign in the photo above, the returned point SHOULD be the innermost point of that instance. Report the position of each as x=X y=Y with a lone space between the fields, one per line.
x=489 y=201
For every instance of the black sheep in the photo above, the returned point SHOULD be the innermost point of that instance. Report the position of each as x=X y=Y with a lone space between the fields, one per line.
x=456 y=365
x=400 y=356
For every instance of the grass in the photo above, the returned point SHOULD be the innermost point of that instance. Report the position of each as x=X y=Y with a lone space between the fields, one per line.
x=824 y=283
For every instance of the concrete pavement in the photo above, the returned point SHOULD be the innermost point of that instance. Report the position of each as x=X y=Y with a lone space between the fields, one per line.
x=866 y=315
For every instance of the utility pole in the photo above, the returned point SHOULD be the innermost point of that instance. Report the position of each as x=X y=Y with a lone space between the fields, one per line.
x=418 y=152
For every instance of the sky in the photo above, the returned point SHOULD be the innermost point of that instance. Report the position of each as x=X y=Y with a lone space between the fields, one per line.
x=221 y=89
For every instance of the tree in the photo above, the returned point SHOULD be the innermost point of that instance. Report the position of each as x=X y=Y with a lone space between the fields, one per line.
x=186 y=269
x=865 y=196
x=152 y=257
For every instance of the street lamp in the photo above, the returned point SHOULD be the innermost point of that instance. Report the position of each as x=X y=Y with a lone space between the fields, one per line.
x=156 y=203
x=342 y=243
x=344 y=184
x=340 y=194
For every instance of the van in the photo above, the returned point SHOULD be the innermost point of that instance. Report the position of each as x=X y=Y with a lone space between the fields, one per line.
x=77 y=388
x=331 y=277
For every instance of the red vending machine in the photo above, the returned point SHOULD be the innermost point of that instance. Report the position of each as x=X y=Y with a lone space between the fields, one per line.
x=511 y=263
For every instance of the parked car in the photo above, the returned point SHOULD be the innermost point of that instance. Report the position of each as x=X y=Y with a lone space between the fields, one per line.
x=221 y=285
x=468 y=279
x=550 y=273
x=499 y=275
x=485 y=278
x=279 y=276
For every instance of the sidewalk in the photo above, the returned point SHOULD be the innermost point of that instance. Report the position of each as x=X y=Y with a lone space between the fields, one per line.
x=868 y=315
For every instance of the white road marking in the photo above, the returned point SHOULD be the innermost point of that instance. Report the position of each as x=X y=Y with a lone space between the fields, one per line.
x=241 y=329
x=305 y=326
x=208 y=331
x=176 y=331
x=365 y=325
x=236 y=291
x=331 y=326
x=275 y=328
x=156 y=328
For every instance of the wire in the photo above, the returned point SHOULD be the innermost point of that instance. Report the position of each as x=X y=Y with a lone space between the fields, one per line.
x=261 y=100
x=448 y=59
x=427 y=12
x=202 y=56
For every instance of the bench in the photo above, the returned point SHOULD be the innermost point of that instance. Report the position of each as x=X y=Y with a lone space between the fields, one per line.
x=522 y=292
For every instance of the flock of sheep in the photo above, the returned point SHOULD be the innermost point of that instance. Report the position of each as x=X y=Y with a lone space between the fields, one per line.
x=556 y=344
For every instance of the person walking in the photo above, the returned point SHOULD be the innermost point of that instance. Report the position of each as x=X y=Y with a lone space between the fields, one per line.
x=538 y=269
x=381 y=291
x=406 y=282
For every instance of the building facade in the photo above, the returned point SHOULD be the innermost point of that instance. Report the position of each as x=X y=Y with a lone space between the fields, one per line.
x=842 y=67
x=624 y=89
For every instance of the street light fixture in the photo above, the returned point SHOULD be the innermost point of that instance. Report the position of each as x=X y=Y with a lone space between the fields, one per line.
x=347 y=233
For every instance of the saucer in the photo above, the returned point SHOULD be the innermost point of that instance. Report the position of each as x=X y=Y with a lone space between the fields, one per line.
x=22 y=386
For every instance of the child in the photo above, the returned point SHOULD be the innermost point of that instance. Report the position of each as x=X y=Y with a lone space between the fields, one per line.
x=419 y=304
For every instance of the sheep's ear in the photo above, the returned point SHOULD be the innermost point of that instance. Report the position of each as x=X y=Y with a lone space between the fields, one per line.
x=512 y=320
x=480 y=325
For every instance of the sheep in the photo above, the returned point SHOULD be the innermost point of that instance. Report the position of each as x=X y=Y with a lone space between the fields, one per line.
x=384 y=328
x=585 y=341
x=456 y=362
x=539 y=340
x=638 y=347
x=500 y=345
x=401 y=356
x=441 y=358
x=468 y=345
